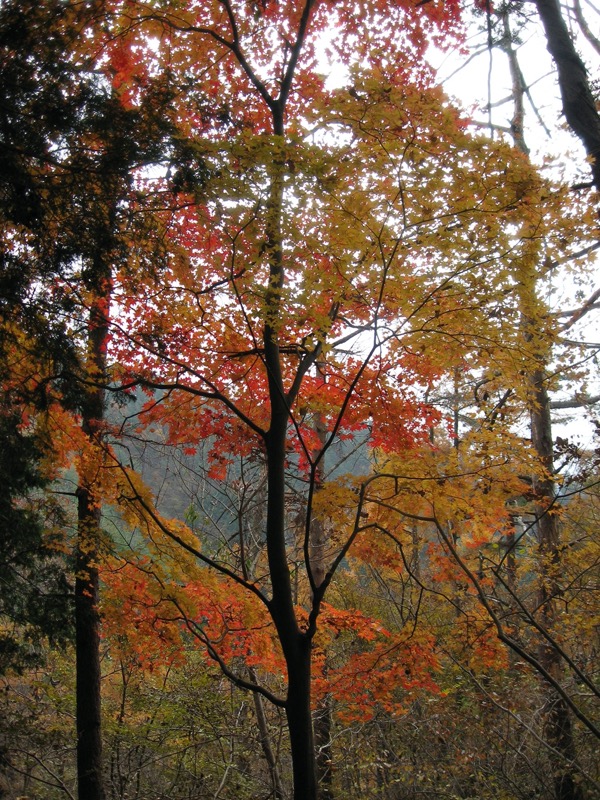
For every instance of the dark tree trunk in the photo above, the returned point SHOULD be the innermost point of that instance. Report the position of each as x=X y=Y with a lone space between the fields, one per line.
x=296 y=644
x=87 y=620
x=578 y=101
x=300 y=722
x=87 y=647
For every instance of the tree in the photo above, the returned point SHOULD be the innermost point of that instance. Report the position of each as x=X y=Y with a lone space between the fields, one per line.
x=551 y=661
x=35 y=598
x=113 y=145
x=368 y=235
x=579 y=105
x=70 y=147
x=34 y=347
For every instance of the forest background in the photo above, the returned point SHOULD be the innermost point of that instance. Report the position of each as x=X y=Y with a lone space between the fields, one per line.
x=282 y=510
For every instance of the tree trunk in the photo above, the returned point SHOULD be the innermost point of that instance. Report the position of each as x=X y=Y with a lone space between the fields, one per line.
x=87 y=621
x=87 y=658
x=296 y=645
x=557 y=717
x=265 y=741
x=300 y=722
x=573 y=83
x=322 y=725
x=318 y=566
x=578 y=102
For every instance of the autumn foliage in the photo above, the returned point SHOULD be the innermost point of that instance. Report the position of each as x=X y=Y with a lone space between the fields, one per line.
x=312 y=291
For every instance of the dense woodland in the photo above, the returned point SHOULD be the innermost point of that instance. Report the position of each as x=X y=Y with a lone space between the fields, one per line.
x=284 y=333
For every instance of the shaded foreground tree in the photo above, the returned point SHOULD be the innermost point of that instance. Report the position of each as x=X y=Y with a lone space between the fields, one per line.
x=113 y=144
x=35 y=599
x=34 y=346
x=69 y=148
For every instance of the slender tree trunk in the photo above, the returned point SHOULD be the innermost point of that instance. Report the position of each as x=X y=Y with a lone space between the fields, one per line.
x=87 y=649
x=296 y=644
x=87 y=621
x=573 y=82
x=323 y=717
x=318 y=567
x=265 y=742
x=558 y=726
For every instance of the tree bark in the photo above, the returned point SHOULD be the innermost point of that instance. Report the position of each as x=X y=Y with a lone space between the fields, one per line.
x=300 y=722
x=87 y=620
x=295 y=643
x=322 y=724
x=573 y=84
x=87 y=654
x=579 y=106
x=558 y=727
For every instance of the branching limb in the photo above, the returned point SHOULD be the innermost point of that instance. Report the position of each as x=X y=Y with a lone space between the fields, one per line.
x=138 y=501
x=242 y=683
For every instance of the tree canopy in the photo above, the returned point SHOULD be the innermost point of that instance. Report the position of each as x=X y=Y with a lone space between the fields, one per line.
x=257 y=239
